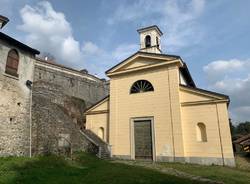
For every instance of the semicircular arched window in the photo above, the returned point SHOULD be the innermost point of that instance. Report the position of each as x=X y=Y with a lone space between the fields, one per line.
x=141 y=86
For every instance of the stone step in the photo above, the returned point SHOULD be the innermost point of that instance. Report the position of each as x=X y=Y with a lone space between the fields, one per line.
x=104 y=150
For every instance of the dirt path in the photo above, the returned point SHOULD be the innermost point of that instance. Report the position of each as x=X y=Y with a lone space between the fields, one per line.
x=170 y=171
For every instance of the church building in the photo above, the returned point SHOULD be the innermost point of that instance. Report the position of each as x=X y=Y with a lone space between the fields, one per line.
x=156 y=112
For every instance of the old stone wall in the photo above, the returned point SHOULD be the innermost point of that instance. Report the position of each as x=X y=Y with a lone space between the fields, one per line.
x=15 y=104
x=74 y=83
x=53 y=127
x=59 y=97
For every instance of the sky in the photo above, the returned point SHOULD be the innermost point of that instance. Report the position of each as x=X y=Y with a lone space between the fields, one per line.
x=212 y=37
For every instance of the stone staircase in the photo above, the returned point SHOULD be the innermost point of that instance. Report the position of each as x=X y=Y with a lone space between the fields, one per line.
x=104 y=149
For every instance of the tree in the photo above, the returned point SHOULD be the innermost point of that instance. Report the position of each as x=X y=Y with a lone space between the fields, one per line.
x=243 y=128
x=232 y=128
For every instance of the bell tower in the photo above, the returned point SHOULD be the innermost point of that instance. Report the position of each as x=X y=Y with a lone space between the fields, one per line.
x=150 y=39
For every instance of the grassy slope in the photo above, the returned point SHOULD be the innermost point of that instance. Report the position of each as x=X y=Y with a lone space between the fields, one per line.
x=239 y=175
x=84 y=169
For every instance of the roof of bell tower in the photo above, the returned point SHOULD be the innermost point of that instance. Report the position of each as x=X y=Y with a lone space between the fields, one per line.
x=154 y=27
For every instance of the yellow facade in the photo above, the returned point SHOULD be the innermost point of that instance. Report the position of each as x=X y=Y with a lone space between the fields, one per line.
x=97 y=119
x=173 y=109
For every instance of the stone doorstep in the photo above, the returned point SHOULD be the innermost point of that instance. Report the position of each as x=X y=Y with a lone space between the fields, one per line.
x=170 y=171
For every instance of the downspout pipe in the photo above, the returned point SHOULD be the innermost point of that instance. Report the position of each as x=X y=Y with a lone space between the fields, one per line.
x=29 y=85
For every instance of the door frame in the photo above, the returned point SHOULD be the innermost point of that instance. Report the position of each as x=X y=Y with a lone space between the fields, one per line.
x=132 y=138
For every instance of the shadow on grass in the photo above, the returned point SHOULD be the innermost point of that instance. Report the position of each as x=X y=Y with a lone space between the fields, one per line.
x=83 y=169
x=50 y=169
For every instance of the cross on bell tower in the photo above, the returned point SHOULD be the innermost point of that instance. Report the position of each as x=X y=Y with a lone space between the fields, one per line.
x=150 y=39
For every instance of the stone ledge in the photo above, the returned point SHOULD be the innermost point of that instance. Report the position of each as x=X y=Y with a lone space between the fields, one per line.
x=10 y=76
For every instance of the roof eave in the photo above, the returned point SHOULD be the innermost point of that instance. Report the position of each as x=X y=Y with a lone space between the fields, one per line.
x=185 y=71
x=18 y=43
x=206 y=91
x=150 y=27
x=96 y=104
x=143 y=53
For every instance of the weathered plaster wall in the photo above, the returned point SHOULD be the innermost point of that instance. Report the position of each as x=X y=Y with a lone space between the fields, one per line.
x=15 y=104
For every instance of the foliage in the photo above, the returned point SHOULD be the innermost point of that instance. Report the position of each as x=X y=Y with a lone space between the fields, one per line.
x=242 y=128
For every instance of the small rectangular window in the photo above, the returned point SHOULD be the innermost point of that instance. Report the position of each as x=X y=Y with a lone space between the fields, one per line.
x=64 y=140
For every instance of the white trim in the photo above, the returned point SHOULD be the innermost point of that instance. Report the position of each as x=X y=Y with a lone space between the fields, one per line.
x=141 y=54
x=172 y=62
x=132 y=139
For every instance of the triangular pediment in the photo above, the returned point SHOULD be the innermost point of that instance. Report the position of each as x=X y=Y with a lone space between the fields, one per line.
x=142 y=60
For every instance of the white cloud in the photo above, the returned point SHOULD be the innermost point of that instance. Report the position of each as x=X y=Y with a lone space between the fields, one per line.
x=133 y=11
x=91 y=48
x=49 y=31
x=232 y=77
x=223 y=65
x=123 y=51
x=180 y=23
x=176 y=19
x=102 y=60
x=97 y=59
x=224 y=69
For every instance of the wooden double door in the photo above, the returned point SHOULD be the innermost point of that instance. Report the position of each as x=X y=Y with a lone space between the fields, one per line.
x=143 y=139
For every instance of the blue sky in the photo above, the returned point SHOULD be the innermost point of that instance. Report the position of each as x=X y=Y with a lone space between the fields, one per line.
x=212 y=37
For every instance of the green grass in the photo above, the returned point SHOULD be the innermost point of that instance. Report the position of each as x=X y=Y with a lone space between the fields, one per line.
x=88 y=169
x=83 y=169
x=238 y=175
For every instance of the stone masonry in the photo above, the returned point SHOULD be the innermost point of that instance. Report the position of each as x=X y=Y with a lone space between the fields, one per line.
x=53 y=128
x=60 y=97
x=15 y=103
x=79 y=84
x=42 y=103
